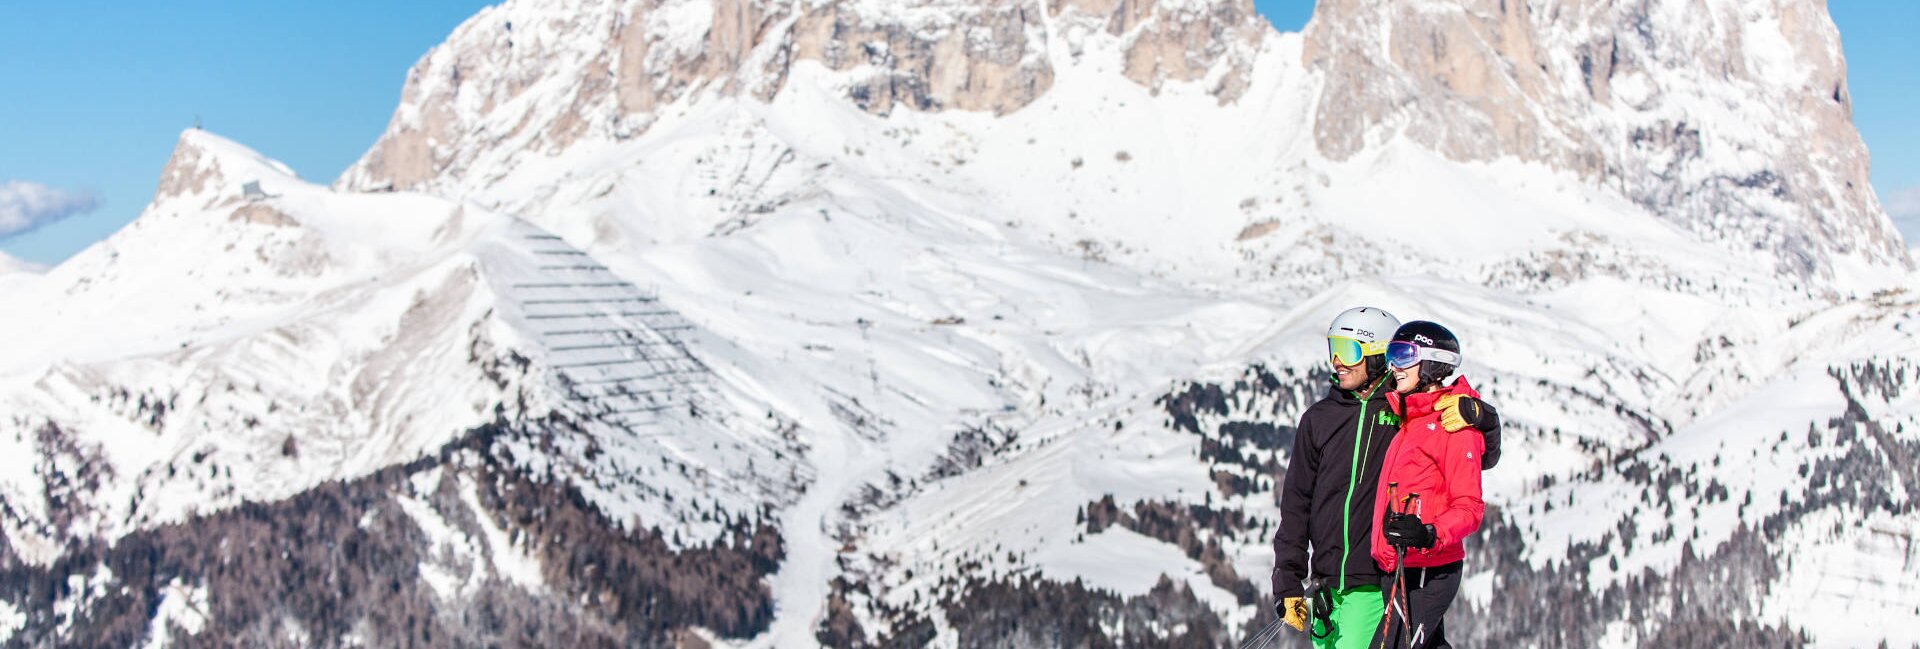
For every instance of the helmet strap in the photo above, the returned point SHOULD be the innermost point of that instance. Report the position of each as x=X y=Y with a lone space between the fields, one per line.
x=1376 y=369
x=1430 y=375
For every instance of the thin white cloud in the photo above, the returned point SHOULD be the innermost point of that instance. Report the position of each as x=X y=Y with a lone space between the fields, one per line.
x=25 y=205
x=10 y=264
x=1904 y=204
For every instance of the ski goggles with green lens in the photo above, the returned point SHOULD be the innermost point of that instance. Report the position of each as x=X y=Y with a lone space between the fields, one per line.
x=1403 y=354
x=1349 y=351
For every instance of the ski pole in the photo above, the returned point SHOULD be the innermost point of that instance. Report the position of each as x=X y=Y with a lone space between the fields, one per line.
x=1266 y=635
x=1386 y=621
x=1399 y=566
x=1393 y=601
x=1397 y=594
x=1400 y=585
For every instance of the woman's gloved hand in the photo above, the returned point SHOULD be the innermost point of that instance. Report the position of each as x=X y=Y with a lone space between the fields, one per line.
x=1406 y=531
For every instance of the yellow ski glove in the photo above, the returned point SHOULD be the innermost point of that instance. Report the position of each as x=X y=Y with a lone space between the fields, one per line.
x=1455 y=411
x=1296 y=613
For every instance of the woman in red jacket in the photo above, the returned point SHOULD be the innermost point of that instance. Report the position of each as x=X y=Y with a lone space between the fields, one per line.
x=1429 y=495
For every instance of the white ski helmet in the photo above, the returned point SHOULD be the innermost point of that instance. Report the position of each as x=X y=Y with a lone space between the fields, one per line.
x=1372 y=326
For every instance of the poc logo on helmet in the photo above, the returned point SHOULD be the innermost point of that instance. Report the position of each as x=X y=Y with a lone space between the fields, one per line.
x=1422 y=339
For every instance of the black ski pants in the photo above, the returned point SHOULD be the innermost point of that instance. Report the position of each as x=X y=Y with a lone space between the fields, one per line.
x=1414 y=615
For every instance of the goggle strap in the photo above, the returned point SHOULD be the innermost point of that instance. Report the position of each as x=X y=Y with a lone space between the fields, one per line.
x=1374 y=348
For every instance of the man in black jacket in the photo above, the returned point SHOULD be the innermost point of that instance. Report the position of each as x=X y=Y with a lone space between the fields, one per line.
x=1326 y=499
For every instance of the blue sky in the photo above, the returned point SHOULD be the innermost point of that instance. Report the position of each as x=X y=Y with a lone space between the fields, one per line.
x=96 y=93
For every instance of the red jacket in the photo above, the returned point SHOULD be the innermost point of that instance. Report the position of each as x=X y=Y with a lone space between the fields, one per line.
x=1442 y=468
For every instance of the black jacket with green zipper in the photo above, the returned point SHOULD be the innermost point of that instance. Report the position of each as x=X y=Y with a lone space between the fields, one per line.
x=1326 y=498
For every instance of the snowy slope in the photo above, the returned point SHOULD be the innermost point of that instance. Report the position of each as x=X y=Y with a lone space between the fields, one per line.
x=224 y=349
x=975 y=300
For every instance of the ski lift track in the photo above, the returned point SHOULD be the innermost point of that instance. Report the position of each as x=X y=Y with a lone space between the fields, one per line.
x=628 y=367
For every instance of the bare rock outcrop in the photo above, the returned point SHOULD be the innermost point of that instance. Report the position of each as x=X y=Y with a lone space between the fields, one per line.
x=606 y=68
x=1180 y=41
x=1654 y=97
x=980 y=56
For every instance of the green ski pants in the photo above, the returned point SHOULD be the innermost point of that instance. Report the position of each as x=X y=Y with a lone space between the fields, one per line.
x=1356 y=618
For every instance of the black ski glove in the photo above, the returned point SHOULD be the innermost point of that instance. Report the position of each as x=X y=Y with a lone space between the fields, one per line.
x=1488 y=424
x=1458 y=412
x=1406 y=531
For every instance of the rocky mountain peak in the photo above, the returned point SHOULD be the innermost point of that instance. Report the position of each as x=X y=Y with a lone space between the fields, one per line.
x=1730 y=118
x=539 y=75
x=203 y=162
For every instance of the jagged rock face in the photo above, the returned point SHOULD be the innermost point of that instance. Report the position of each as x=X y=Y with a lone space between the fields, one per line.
x=619 y=63
x=185 y=173
x=606 y=68
x=656 y=66
x=1655 y=97
x=977 y=56
x=1179 y=42
x=471 y=93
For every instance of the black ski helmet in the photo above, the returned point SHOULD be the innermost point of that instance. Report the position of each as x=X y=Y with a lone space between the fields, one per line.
x=1430 y=335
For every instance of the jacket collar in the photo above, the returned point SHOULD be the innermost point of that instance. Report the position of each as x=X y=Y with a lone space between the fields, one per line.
x=1352 y=398
x=1417 y=405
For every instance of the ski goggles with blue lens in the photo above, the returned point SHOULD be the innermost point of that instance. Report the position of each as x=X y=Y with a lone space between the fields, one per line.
x=1403 y=354
x=1350 y=351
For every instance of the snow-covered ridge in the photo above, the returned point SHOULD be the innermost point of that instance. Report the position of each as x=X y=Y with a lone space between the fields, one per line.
x=1734 y=135
x=252 y=335
x=226 y=347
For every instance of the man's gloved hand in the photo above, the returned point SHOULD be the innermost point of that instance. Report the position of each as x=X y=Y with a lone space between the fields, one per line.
x=1458 y=412
x=1406 y=531
x=1293 y=611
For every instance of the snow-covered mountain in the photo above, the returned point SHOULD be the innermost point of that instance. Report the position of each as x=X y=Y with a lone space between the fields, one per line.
x=751 y=322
